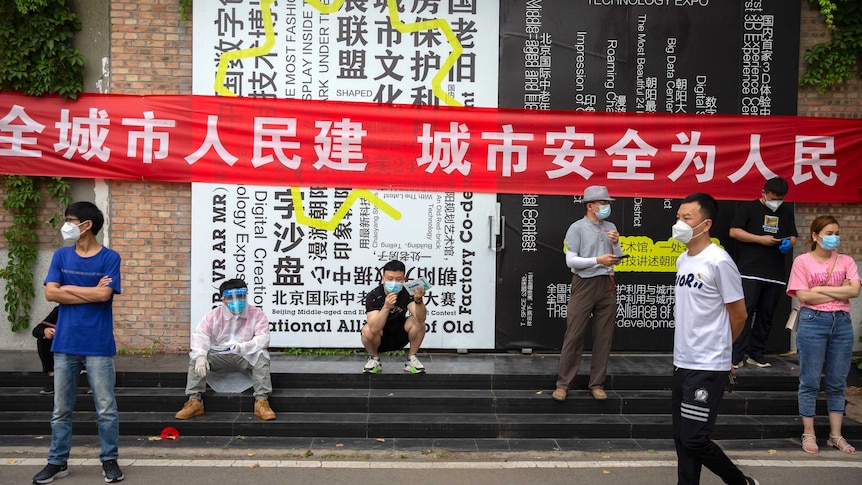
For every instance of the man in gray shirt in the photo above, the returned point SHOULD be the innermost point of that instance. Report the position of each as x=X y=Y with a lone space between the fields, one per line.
x=592 y=248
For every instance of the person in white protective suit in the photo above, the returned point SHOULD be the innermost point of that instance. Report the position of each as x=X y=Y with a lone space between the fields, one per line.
x=229 y=353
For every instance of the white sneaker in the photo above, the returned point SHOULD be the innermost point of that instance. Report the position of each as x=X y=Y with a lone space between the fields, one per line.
x=413 y=365
x=758 y=362
x=372 y=365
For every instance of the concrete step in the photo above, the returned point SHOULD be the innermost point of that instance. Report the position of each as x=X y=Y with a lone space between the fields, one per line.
x=404 y=425
x=426 y=401
x=494 y=397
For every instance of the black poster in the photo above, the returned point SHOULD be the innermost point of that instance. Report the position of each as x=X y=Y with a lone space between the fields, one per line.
x=534 y=282
x=649 y=56
x=661 y=56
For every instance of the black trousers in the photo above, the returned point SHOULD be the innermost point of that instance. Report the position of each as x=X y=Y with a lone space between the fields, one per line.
x=43 y=347
x=696 y=397
x=761 y=299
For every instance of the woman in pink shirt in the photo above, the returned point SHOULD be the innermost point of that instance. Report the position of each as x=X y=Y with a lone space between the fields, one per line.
x=824 y=281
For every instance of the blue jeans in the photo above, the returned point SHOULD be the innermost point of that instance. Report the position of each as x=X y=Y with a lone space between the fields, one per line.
x=101 y=376
x=823 y=337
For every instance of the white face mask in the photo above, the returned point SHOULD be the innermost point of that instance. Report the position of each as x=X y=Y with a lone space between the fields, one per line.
x=683 y=233
x=773 y=205
x=70 y=231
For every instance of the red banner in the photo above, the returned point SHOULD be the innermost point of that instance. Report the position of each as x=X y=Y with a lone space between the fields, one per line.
x=188 y=138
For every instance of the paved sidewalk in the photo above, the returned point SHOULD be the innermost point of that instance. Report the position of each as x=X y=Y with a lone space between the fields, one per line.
x=266 y=461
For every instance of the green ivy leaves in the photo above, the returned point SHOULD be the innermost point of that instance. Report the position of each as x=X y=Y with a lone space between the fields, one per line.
x=37 y=55
x=23 y=196
x=185 y=9
x=834 y=62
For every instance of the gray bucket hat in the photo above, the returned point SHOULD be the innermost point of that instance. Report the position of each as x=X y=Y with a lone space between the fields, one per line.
x=596 y=192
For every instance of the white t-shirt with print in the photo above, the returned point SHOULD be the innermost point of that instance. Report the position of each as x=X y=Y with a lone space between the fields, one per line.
x=704 y=284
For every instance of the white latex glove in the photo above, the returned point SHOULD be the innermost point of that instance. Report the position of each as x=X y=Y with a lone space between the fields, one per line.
x=238 y=348
x=201 y=366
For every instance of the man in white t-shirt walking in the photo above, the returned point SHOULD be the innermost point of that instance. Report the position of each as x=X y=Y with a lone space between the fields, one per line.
x=709 y=314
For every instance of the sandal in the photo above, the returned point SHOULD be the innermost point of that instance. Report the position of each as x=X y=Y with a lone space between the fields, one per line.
x=834 y=442
x=809 y=443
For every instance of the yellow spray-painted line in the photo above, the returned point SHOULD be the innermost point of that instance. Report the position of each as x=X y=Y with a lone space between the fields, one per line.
x=226 y=58
x=457 y=49
x=266 y=12
x=351 y=198
x=436 y=87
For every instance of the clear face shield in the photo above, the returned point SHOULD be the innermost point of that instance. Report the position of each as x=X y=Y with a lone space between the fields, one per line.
x=235 y=299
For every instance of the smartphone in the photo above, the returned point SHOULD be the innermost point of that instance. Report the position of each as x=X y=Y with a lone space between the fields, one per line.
x=731 y=381
x=623 y=256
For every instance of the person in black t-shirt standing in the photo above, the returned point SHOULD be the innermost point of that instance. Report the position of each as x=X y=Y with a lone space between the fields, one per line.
x=394 y=318
x=766 y=231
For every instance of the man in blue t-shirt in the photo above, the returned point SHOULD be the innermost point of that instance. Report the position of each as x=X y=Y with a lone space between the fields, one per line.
x=82 y=279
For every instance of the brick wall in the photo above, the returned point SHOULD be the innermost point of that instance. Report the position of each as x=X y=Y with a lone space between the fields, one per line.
x=840 y=102
x=151 y=229
x=151 y=48
x=151 y=53
x=844 y=101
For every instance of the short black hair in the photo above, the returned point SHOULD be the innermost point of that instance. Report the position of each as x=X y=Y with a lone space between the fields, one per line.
x=777 y=186
x=708 y=205
x=87 y=211
x=395 y=265
x=231 y=284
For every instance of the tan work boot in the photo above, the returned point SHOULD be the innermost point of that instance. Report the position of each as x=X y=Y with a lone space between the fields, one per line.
x=192 y=407
x=263 y=411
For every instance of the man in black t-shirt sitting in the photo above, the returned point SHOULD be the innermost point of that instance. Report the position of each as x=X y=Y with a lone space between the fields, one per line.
x=394 y=318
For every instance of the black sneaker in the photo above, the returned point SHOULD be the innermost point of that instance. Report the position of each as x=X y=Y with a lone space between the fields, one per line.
x=112 y=471
x=48 y=389
x=751 y=481
x=50 y=472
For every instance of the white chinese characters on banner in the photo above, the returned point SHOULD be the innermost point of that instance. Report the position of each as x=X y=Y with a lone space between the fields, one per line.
x=310 y=255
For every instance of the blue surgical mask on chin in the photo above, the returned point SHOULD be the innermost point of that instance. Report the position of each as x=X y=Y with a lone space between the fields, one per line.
x=392 y=286
x=236 y=306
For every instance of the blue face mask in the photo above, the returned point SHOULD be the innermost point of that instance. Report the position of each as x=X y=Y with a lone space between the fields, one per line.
x=392 y=286
x=830 y=243
x=236 y=306
x=604 y=211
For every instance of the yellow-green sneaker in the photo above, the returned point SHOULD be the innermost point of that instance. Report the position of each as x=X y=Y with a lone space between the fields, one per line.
x=413 y=365
x=372 y=365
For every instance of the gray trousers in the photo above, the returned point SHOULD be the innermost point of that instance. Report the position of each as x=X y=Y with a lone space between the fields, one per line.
x=260 y=377
x=596 y=296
